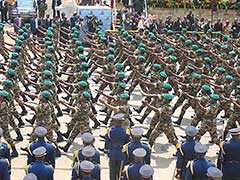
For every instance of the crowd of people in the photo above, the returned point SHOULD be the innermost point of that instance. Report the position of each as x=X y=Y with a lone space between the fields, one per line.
x=200 y=69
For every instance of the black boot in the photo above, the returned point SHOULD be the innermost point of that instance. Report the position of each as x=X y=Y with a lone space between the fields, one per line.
x=24 y=111
x=19 y=135
x=14 y=152
x=131 y=122
x=147 y=135
x=59 y=89
x=24 y=149
x=27 y=89
x=96 y=124
x=57 y=152
x=66 y=110
x=20 y=122
x=66 y=98
x=24 y=98
x=32 y=120
x=66 y=134
x=59 y=137
x=140 y=109
x=225 y=135
x=103 y=110
x=104 y=122
x=179 y=121
x=59 y=113
x=66 y=147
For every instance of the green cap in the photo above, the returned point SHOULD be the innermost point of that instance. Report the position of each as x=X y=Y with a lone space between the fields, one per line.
x=221 y=69
x=50 y=33
x=111 y=44
x=48 y=56
x=83 y=83
x=167 y=96
x=46 y=94
x=86 y=94
x=122 y=85
x=157 y=66
x=15 y=54
x=232 y=53
x=112 y=50
x=14 y=62
x=21 y=38
x=19 y=42
x=4 y=93
x=188 y=42
x=82 y=56
x=196 y=76
x=217 y=44
x=50 y=48
x=195 y=47
x=124 y=96
x=53 y=25
x=48 y=83
x=171 y=50
x=224 y=46
x=121 y=74
x=20 y=31
x=142 y=49
x=18 y=47
x=166 y=45
x=153 y=37
x=218 y=33
x=48 y=42
x=103 y=38
x=11 y=72
x=8 y=83
x=111 y=57
x=80 y=48
x=78 y=43
x=141 y=58
x=199 y=51
x=163 y=74
x=173 y=58
x=229 y=77
x=48 y=63
x=119 y=66
x=85 y=65
x=170 y=31
x=191 y=68
x=206 y=87
x=207 y=59
x=142 y=45
x=85 y=74
x=167 y=86
x=215 y=96
x=47 y=73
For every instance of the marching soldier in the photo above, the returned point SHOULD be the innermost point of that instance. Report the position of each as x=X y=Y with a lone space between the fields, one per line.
x=146 y=172
x=214 y=173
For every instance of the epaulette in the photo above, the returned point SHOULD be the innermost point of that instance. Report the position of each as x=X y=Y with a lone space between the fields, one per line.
x=26 y=168
x=128 y=131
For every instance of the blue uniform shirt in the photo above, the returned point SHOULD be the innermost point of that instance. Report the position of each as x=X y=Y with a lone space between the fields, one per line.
x=231 y=159
x=184 y=154
x=130 y=147
x=78 y=157
x=5 y=152
x=197 y=169
x=115 y=138
x=50 y=156
x=41 y=170
x=4 y=174
x=77 y=173
x=132 y=172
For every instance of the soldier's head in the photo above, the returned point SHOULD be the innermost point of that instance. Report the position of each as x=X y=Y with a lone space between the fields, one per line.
x=156 y=67
x=189 y=69
x=120 y=76
x=166 y=87
x=200 y=150
x=88 y=152
x=47 y=84
x=83 y=85
x=162 y=76
x=214 y=173
x=235 y=133
x=46 y=74
x=13 y=63
x=87 y=139
x=196 y=77
x=191 y=132
x=136 y=133
x=124 y=97
x=139 y=154
x=167 y=98
x=45 y=96
x=121 y=87
x=214 y=98
x=40 y=153
x=146 y=172
x=206 y=89
x=85 y=96
x=4 y=96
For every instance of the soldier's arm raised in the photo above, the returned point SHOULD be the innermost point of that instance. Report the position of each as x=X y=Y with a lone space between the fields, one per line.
x=151 y=106
x=113 y=108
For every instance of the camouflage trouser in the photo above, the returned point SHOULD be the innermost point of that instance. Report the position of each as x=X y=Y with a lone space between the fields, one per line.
x=13 y=124
x=6 y=133
x=81 y=126
x=166 y=128
x=224 y=105
x=154 y=121
x=41 y=14
x=196 y=120
x=180 y=101
x=234 y=117
x=211 y=127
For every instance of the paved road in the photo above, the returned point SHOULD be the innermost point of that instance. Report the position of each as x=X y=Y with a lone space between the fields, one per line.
x=162 y=159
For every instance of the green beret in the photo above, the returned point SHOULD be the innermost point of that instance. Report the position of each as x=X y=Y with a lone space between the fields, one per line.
x=119 y=66
x=171 y=50
x=191 y=68
x=86 y=94
x=11 y=72
x=20 y=31
x=167 y=96
x=8 y=83
x=142 y=45
x=165 y=29
x=48 y=42
x=14 y=62
x=221 y=69
x=77 y=26
x=1 y=28
x=124 y=96
x=188 y=42
x=48 y=63
x=15 y=54
x=238 y=86
x=129 y=36
x=195 y=47
x=208 y=39
x=170 y=31
x=85 y=74
x=206 y=87
x=215 y=96
x=111 y=57
x=173 y=58
x=48 y=56
x=50 y=33
x=141 y=58
x=196 y=76
x=4 y=93
x=166 y=45
x=80 y=48
x=224 y=46
x=163 y=74
x=207 y=59
x=21 y=38
x=78 y=43
x=50 y=48
x=83 y=83
x=48 y=83
x=19 y=42
x=53 y=25
x=218 y=33
x=82 y=56
x=153 y=37
x=232 y=53
x=142 y=49
x=74 y=29
x=46 y=94
x=103 y=38
x=195 y=32
x=199 y=51
x=229 y=77
x=184 y=29
x=182 y=38
x=210 y=31
x=167 y=86
x=27 y=25
x=157 y=66
x=122 y=85
x=47 y=73
x=74 y=35
x=84 y=64
x=134 y=40
x=121 y=74
x=25 y=34
x=125 y=33
x=111 y=44
x=112 y=50
x=50 y=28
x=216 y=44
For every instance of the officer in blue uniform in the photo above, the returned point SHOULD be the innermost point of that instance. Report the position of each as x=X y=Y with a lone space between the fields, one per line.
x=229 y=156
x=214 y=173
x=30 y=176
x=42 y=170
x=136 y=135
x=87 y=139
x=41 y=132
x=197 y=169
x=4 y=174
x=186 y=152
x=86 y=168
x=5 y=151
x=116 y=137
x=131 y=172
x=88 y=153
x=146 y=172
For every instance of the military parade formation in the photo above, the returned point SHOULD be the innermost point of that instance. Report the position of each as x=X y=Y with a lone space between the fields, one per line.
x=53 y=73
